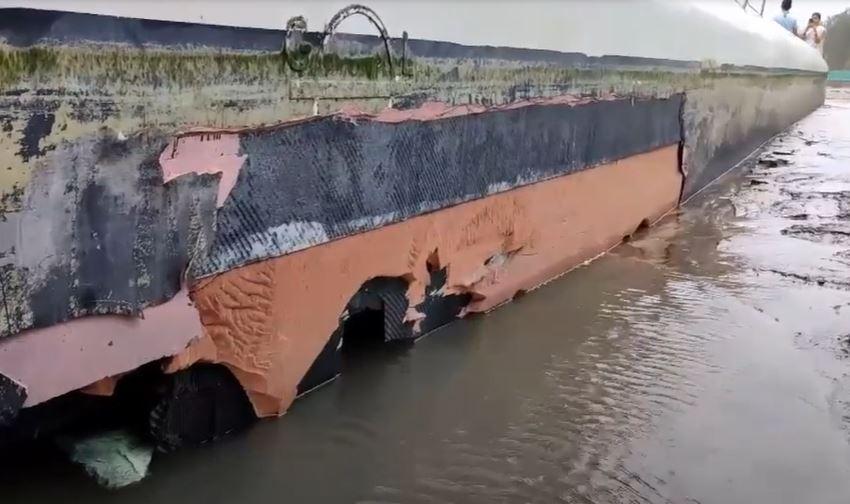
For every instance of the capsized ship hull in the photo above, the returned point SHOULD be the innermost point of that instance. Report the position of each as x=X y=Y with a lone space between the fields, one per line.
x=176 y=195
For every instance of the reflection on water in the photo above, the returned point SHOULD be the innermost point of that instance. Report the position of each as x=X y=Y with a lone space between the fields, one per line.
x=702 y=362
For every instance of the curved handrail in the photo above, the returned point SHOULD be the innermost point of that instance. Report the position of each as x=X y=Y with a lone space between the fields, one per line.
x=369 y=14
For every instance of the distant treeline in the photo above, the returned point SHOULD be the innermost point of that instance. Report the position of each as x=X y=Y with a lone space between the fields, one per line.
x=836 y=49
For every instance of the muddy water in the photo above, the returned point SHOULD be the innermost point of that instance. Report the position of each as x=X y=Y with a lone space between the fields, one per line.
x=705 y=361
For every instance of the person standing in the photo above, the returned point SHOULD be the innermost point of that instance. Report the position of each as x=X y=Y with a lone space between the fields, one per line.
x=815 y=33
x=786 y=19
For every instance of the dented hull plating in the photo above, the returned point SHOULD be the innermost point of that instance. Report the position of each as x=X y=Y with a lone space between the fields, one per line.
x=268 y=322
x=185 y=193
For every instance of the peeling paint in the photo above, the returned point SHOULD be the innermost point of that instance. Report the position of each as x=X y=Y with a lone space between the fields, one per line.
x=269 y=321
x=100 y=233
x=204 y=153
x=291 y=236
x=338 y=174
x=58 y=359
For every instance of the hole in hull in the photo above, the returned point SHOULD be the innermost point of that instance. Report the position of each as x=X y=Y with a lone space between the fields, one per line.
x=189 y=408
x=199 y=405
x=374 y=318
x=641 y=229
x=363 y=332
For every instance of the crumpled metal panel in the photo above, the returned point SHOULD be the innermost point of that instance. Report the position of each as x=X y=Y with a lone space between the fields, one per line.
x=307 y=184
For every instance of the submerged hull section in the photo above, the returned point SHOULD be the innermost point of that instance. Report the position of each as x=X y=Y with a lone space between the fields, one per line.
x=182 y=193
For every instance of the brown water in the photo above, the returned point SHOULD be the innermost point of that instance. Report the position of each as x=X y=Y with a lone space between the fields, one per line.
x=703 y=362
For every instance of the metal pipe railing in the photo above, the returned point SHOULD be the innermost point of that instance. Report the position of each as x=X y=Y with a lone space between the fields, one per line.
x=752 y=5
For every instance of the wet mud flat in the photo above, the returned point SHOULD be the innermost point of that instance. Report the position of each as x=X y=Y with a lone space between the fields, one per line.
x=706 y=360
